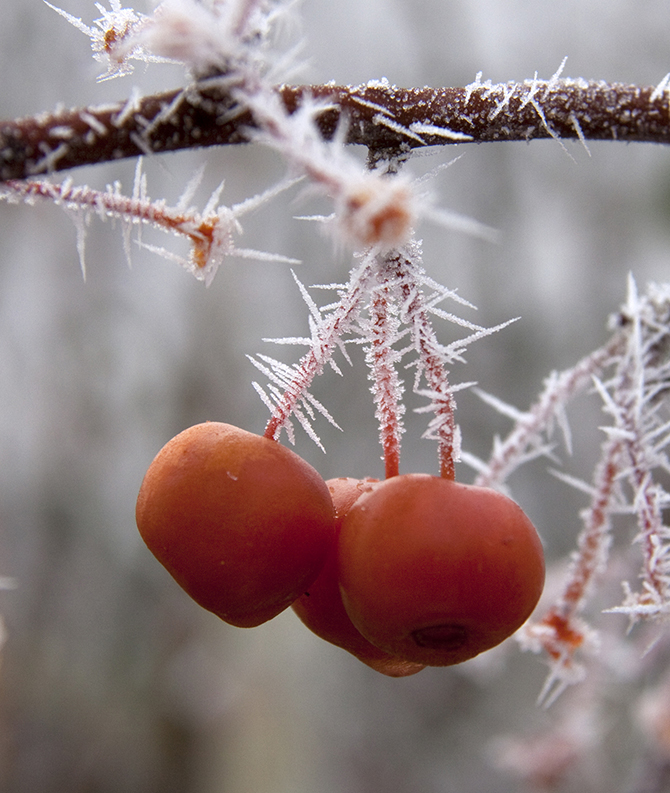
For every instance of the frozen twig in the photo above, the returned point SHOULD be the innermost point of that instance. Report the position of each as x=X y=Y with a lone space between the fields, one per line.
x=430 y=365
x=562 y=632
x=625 y=479
x=211 y=232
x=326 y=339
x=208 y=114
x=527 y=439
x=637 y=400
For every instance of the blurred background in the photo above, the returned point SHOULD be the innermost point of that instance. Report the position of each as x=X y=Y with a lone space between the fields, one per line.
x=111 y=679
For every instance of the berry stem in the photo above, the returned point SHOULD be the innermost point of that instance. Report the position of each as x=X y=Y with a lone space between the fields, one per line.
x=326 y=339
x=382 y=359
x=430 y=365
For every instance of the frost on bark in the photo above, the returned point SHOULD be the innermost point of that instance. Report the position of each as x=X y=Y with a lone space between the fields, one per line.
x=382 y=117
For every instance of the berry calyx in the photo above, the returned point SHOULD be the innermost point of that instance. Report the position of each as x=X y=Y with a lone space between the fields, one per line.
x=435 y=571
x=243 y=524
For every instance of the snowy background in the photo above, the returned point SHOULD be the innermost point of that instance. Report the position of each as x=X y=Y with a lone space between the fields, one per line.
x=111 y=679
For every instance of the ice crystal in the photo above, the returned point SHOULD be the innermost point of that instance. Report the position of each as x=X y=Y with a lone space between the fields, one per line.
x=387 y=306
x=631 y=374
x=114 y=39
x=210 y=233
x=208 y=36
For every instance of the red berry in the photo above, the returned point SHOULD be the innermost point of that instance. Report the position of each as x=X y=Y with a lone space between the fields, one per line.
x=243 y=524
x=321 y=608
x=437 y=572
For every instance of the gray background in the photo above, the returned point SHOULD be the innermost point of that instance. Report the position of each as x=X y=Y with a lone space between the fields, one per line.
x=111 y=679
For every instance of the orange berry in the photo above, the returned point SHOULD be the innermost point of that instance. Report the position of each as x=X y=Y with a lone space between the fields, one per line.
x=436 y=572
x=243 y=524
x=320 y=608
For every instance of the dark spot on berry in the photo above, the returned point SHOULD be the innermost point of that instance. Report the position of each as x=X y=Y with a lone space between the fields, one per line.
x=441 y=637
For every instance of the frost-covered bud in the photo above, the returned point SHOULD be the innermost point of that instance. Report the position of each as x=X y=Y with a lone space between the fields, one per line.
x=190 y=32
x=376 y=211
x=114 y=38
x=118 y=41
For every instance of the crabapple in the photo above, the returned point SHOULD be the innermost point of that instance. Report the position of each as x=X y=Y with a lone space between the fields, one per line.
x=242 y=523
x=320 y=608
x=436 y=572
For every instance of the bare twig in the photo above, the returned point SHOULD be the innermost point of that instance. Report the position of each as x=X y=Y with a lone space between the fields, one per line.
x=380 y=116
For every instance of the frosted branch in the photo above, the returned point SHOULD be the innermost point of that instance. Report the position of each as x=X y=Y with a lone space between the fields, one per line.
x=207 y=114
x=625 y=479
x=561 y=632
x=527 y=435
x=210 y=233
x=431 y=358
x=326 y=339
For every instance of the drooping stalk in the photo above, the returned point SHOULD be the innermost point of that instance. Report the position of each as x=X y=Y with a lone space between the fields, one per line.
x=431 y=365
x=382 y=359
x=326 y=339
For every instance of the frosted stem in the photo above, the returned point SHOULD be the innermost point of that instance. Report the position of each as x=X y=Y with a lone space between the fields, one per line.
x=527 y=432
x=326 y=341
x=593 y=546
x=382 y=360
x=187 y=223
x=431 y=363
x=206 y=114
x=561 y=633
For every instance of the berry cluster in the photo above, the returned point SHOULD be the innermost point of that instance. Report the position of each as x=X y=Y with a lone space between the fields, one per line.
x=413 y=571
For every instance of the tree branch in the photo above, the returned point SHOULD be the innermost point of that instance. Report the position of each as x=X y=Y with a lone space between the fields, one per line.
x=382 y=117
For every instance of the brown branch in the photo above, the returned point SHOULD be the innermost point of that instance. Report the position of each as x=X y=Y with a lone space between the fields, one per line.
x=384 y=118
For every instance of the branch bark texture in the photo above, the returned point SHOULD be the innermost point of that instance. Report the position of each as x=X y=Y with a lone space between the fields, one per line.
x=382 y=117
